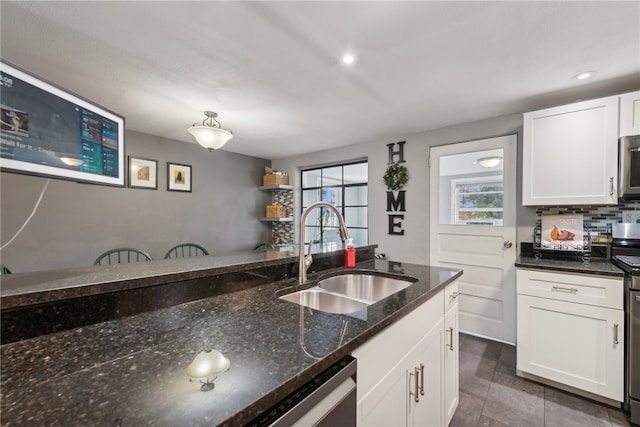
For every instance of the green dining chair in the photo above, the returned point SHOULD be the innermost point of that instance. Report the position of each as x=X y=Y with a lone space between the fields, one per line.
x=186 y=250
x=122 y=256
x=4 y=269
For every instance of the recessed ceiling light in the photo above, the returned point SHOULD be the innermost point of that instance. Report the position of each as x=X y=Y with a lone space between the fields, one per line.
x=585 y=75
x=348 y=59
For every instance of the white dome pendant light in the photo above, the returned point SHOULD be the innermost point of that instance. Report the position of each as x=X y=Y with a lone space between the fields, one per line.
x=211 y=136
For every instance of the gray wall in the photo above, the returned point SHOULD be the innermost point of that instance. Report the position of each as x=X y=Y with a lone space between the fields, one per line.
x=77 y=222
x=414 y=245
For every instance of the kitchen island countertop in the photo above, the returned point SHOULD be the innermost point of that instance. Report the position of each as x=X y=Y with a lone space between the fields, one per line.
x=130 y=371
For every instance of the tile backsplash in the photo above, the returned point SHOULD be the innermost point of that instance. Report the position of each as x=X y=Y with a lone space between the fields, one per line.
x=597 y=219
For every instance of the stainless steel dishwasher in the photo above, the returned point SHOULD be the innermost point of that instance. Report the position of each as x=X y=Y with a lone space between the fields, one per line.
x=328 y=400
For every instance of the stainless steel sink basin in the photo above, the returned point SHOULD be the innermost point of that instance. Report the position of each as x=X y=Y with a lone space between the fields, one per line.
x=364 y=286
x=323 y=301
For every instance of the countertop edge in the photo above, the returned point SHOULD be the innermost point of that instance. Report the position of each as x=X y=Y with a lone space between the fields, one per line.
x=600 y=268
x=95 y=280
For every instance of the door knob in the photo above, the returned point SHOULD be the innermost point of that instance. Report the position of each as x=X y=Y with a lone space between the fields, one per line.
x=507 y=244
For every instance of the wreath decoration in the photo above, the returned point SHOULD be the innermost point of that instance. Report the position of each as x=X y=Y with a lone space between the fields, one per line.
x=396 y=177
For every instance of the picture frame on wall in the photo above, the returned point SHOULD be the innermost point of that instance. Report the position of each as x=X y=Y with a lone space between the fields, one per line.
x=178 y=177
x=143 y=173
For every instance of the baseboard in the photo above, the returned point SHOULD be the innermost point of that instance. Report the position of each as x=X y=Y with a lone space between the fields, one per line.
x=569 y=389
x=487 y=338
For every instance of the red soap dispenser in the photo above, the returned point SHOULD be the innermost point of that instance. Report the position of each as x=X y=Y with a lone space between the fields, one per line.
x=350 y=254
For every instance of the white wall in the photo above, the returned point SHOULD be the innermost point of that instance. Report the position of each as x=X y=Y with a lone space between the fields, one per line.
x=413 y=245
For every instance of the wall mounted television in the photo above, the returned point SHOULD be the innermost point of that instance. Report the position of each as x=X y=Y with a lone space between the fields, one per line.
x=48 y=131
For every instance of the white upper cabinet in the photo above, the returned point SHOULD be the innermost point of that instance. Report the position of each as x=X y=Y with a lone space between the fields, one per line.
x=570 y=154
x=630 y=114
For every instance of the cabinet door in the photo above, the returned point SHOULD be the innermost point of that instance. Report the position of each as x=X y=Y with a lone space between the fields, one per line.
x=574 y=344
x=451 y=363
x=429 y=367
x=386 y=361
x=383 y=352
x=570 y=154
x=630 y=114
x=387 y=403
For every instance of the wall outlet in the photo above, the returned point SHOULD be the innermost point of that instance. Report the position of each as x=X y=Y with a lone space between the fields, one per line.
x=630 y=216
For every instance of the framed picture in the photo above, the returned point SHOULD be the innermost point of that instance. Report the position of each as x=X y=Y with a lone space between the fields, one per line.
x=143 y=173
x=563 y=232
x=178 y=177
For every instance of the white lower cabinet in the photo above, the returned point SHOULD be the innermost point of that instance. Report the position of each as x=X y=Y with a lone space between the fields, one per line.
x=567 y=341
x=451 y=360
x=410 y=394
x=386 y=404
x=426 y=401
x=406 y=374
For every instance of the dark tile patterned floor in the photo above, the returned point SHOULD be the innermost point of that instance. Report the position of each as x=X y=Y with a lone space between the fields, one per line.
x=492 y=395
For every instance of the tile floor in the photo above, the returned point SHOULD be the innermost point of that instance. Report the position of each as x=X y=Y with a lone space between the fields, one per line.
x=492 y=395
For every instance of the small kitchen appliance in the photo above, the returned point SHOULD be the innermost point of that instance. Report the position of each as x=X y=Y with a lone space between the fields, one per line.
x=629 y=168
x=625 y=250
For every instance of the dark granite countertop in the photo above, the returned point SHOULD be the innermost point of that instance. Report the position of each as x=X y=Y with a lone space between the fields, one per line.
x=595 y=266
x=45 y=286
x=130 y=371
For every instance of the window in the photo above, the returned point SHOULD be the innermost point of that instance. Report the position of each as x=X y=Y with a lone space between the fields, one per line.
x=477 y=200
x=471 y=190
x=345 y=186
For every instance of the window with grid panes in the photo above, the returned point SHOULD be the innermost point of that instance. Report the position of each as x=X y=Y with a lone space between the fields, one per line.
x=345 y=186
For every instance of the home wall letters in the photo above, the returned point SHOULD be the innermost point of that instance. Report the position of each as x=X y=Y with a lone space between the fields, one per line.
x=395 y=178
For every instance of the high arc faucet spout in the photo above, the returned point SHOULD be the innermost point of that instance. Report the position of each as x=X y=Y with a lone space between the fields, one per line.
x=305 y=261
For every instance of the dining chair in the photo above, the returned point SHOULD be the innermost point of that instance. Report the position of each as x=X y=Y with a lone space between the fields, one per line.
x=122 y=256
x=186 y=250
x=4 y=269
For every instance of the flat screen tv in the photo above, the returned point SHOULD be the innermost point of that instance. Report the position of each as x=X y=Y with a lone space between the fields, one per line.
x=48 y=131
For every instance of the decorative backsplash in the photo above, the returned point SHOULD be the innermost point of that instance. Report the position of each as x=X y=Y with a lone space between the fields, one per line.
x=283 y=230
x=597 y=219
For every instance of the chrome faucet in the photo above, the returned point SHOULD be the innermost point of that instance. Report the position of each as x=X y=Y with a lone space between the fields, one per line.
x=305 y=261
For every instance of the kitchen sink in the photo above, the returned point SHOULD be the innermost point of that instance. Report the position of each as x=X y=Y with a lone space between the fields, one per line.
x=324 y=301
x=348 y=293
x=364 y=286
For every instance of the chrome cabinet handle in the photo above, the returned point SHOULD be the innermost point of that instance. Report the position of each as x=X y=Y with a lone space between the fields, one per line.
x=422 y=379
x=454 y=295
x=450 y=338
x=562 y=289
x=611 y=186
x=615 y=333
x=416 y=394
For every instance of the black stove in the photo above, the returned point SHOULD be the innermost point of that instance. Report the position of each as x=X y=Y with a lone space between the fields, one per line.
x=628 y=263
x=625 y=248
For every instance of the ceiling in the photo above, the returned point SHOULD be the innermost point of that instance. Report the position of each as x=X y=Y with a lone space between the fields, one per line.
x=272 y=70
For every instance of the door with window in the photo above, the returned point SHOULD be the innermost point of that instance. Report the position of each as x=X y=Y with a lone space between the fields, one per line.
x=472 y=227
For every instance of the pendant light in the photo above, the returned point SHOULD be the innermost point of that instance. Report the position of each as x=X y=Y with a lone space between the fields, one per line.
x=209 y=134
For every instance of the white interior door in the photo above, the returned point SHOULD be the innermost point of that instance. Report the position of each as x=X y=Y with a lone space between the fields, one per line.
x=472 y=227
